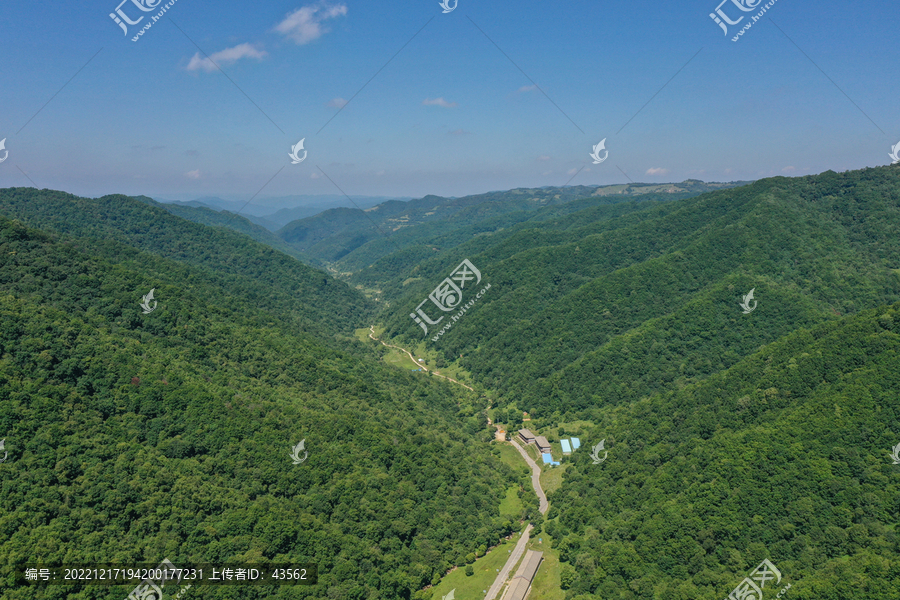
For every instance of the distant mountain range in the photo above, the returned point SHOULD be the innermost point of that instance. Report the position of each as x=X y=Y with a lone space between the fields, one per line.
x=274 y=213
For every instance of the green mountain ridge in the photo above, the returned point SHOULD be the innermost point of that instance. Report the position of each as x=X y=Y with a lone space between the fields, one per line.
x=784 y=456
x=233 y=261
x=135 y=437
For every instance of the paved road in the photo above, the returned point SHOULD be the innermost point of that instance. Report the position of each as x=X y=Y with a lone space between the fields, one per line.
x=507 y=568
x=535 y=477
x=520 y=545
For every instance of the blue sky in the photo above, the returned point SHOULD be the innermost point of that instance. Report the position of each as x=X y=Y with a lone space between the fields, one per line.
x=450 y=114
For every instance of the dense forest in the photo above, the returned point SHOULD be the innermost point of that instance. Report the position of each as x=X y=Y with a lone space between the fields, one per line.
x=733 y=435
x=786 y=456
x=134 y=437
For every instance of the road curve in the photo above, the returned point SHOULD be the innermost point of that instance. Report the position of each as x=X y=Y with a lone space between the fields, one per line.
x=535 y=477
x=520 y=546
x=412 y=358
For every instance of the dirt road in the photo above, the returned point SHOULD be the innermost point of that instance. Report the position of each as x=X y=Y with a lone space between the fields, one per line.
x=413 y=359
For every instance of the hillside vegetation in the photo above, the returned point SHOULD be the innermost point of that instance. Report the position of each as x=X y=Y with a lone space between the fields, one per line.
x=134 y=437
x=241 y=267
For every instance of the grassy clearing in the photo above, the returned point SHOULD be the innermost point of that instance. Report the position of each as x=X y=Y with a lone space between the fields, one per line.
x=486 y=569
x=363 y=335
x=511 y=456
x=512 y=504
x=551 y=479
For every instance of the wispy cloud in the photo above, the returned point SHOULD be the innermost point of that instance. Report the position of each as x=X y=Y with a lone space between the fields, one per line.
x=657 y=171
x=224 y=57
x=195 y=174
x=337 y=103
x=789 y=169
x=304 y=25
x=439 y=102
x=527 y=88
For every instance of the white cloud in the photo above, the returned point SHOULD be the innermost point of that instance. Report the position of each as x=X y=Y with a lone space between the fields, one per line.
x=337 y=103
x=195 y=174
x=788 y=169
x=572 y=171
x=439 y=102
x=224 y=57
x=657 y=171
x=314 y=175
x=304 y=25
x=527 y=88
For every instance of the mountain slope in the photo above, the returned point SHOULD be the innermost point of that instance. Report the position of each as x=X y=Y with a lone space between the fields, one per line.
x=135 y=437
x=784 y=456
x=352 y=239
x=237 y=264
x=616 y=309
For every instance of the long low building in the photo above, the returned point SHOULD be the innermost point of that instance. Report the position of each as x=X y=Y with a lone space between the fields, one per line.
x=526 y=436
x=519 y=584
x=542 y=444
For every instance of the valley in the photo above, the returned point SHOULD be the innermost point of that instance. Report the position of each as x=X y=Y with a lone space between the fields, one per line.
x=729 y=435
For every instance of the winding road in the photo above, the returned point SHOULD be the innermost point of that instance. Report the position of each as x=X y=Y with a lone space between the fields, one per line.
x=535 y=477
x=415 y=362
x=519 y=549
x=520 y=545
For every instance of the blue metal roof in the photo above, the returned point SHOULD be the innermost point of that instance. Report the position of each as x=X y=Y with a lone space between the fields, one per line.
x=565 y=446
x=576 y=443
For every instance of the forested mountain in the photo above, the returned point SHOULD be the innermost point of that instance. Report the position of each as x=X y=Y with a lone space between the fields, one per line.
x=349 y=240
x=134 y=437
x=785 y=456
x=734 y=435
x=738 y=429
x=586 y=310
x=312 y=300
x=241 y=223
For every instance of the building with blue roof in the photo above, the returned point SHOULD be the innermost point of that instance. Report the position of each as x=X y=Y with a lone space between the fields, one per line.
x=566 y=448
x=576 y=443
